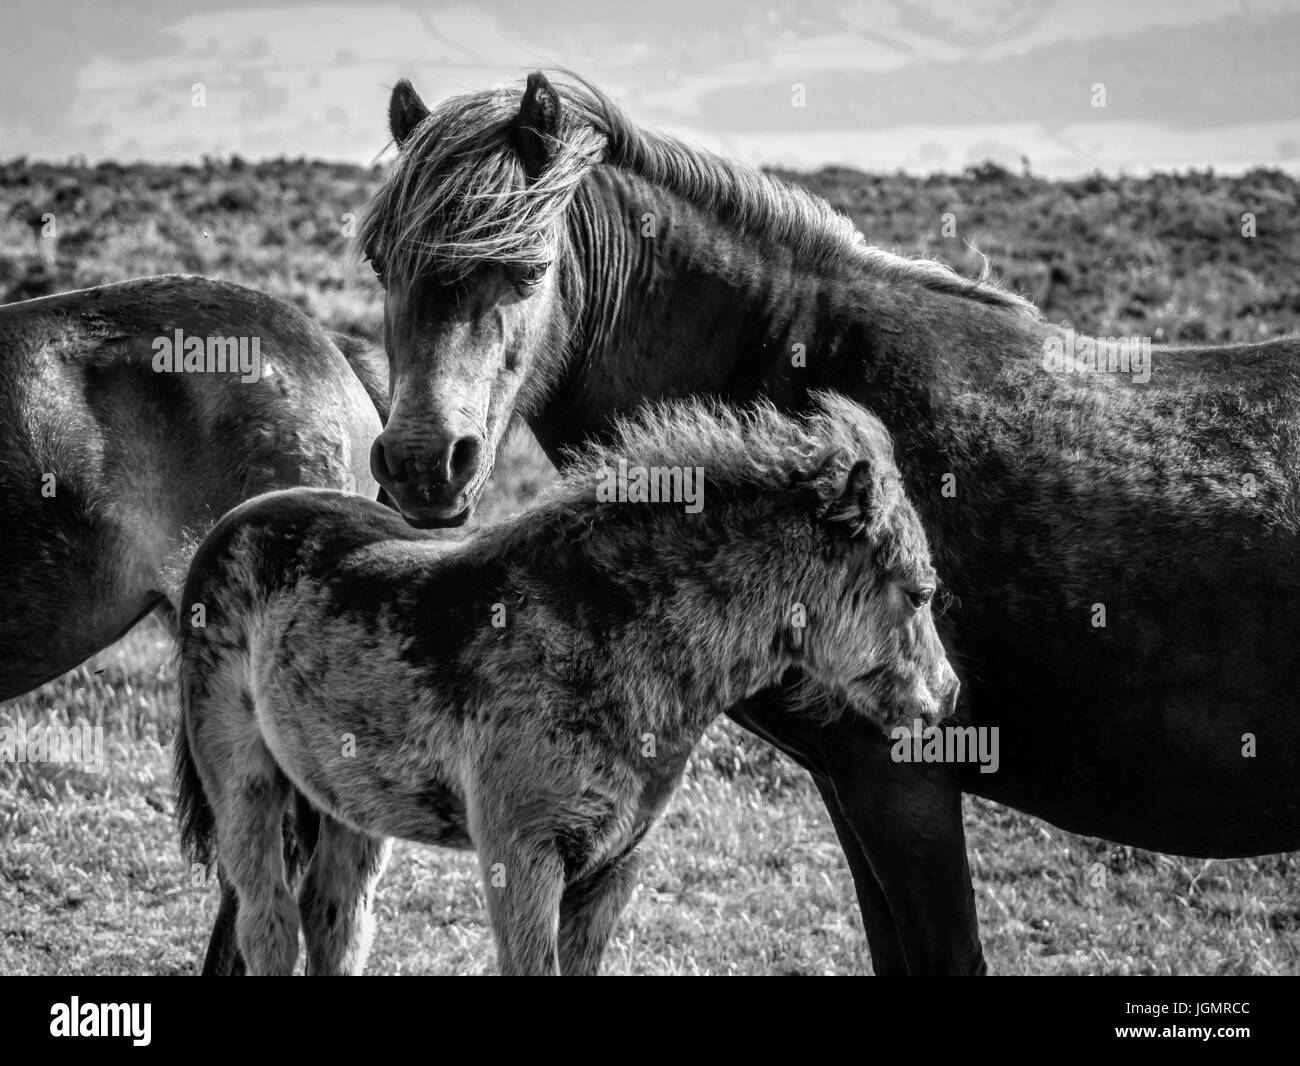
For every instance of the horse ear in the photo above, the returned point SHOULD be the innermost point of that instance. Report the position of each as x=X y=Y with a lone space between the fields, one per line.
x=538 y=120
x=405 y=111
x=859 y=495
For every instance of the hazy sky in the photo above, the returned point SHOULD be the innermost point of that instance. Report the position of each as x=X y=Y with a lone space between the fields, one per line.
x=918 y=84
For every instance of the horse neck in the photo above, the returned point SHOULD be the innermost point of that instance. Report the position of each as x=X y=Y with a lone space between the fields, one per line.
x=665 y=301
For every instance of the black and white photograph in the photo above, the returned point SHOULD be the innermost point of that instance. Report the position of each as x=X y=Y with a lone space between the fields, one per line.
x=715 y=488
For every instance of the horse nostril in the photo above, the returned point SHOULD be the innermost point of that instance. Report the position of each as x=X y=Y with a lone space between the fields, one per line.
x=384 y=466
x=464 y=459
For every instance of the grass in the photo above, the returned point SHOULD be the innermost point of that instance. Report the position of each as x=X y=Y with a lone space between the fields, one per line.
x=743 y=874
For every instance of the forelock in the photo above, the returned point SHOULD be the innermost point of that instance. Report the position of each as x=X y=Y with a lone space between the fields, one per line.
x=458 y=197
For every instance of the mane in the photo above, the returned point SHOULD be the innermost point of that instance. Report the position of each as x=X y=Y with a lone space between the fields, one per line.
x=761 y=204
x=751 y=447
x=745 y=452
x=458 y=195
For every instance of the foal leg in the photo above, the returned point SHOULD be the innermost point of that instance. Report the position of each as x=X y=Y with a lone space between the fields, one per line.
x=223 y=958
x=300 y=831
x=337 y=898
x=589 y=910
x=250 y=844
x=523 y=882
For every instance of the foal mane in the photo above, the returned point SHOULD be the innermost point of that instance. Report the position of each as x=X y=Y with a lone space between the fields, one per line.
x=458 y=195
x=745 y=453
x=742 y=448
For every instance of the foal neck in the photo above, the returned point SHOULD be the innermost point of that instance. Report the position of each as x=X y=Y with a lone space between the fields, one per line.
x=696 y=606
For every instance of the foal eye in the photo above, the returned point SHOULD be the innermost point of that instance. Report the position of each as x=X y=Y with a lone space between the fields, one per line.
x=376 y=265
x=920 y=597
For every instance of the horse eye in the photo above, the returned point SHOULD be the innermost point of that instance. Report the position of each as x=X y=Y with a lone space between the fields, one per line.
x=920 y=597
x=376 y=265
x=526 y=277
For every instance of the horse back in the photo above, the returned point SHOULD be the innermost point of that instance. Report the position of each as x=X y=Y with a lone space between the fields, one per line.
x=111 y=467
x=94 y=355
x=284 y=536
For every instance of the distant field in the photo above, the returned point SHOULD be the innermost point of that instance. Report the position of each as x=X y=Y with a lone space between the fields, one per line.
x=743 y=873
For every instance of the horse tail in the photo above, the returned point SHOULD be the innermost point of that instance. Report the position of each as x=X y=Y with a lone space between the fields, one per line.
x=370 y=368
x=193 y=812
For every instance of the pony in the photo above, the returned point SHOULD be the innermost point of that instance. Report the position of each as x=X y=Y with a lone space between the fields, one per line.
x=533 y=690
x=1119 y=522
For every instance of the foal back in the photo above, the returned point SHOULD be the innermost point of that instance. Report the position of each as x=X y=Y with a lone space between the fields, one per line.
x=111 y=470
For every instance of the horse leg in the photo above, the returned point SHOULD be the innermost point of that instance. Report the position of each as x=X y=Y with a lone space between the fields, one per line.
x=766 y=716
x=589 y=911
x=337 y=898
x=882 y=932
x=223 y=958
x=523 y=882
x=907 y=819
x=250 y=844
x=300 y=834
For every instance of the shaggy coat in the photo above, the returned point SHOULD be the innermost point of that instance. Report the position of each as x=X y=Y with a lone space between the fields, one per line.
x=534 y=690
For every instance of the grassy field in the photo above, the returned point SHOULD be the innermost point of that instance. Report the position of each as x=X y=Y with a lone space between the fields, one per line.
x=743 y=874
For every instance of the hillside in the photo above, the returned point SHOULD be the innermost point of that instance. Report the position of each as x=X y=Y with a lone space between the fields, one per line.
x=1163 y=256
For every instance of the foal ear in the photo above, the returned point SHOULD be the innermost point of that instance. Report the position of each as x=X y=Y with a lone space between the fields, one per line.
x=405 y=111
x=538 y=119
x=858 y=499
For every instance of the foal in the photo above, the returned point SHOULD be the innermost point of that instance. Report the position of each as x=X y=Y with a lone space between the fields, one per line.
x=533 y=691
